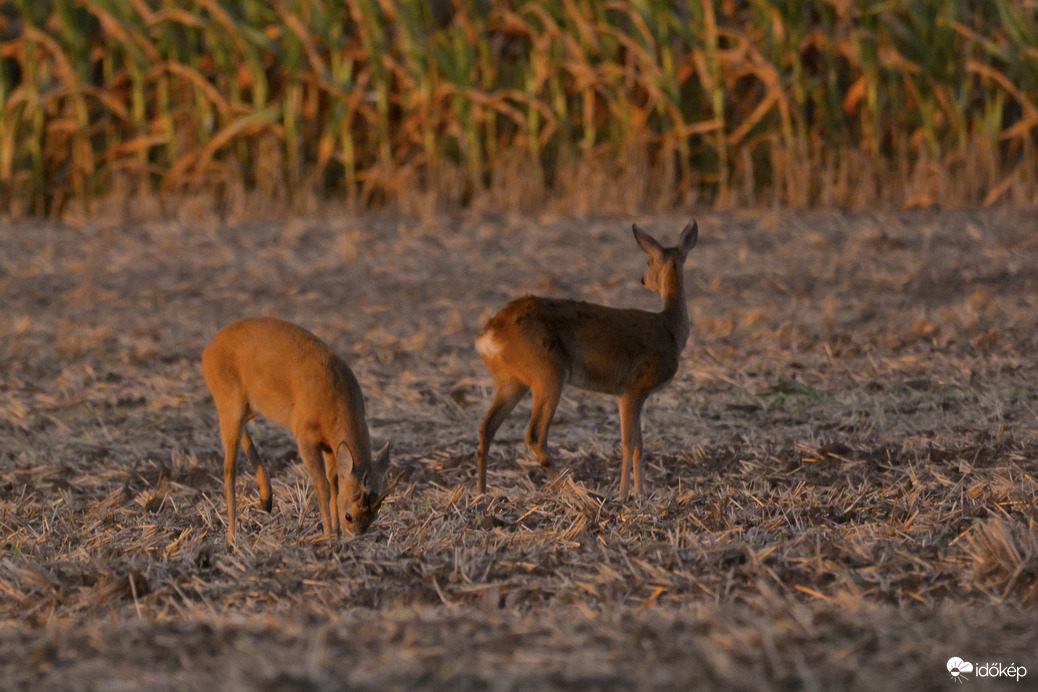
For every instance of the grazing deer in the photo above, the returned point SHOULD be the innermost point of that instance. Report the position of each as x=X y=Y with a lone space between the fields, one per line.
x=274 y=369
x=541 y=344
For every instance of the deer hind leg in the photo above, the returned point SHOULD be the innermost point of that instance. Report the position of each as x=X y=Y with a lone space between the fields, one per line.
x=509 y=392
x=546 y=393
x=311 y=455
x=262 y=478
x=231 y=428
x=631 y=431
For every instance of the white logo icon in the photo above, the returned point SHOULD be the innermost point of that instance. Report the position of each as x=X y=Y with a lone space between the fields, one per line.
x=957 y=667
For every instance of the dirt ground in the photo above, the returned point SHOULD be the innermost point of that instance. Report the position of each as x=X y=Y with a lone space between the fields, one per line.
x=841 y=477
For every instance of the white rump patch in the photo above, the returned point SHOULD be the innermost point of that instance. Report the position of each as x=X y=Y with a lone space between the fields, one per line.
x=487 y=345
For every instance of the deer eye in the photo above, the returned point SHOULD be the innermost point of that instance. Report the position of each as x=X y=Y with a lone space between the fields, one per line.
x=348 y=517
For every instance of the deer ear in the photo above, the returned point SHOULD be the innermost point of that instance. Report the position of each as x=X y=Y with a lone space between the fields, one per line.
x=646 y=242
x=343 y=460
x=689 y=236
x=380 y=466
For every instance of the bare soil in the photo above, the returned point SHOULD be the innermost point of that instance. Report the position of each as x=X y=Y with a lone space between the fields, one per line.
x=841 y=476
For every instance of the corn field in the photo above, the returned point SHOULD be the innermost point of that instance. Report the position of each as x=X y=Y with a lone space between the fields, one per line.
x=515 y=103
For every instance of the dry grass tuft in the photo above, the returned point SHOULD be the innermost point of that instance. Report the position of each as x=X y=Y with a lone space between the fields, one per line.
x=1005 y=559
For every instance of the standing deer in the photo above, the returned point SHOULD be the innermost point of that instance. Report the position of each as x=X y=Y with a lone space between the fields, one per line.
x=541 y=344
x=274 y=369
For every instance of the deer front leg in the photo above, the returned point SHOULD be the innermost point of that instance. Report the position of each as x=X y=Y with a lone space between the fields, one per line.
x=311 y=455
x=631 y=431
x=331 y=472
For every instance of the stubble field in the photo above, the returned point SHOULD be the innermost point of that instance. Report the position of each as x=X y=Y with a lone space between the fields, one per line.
x=841 y=477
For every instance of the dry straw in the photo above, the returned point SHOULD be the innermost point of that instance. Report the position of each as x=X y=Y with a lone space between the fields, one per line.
x=513 y=104
x=842 y=475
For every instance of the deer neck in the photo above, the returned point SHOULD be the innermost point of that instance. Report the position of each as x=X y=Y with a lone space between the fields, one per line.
x=675 y=308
